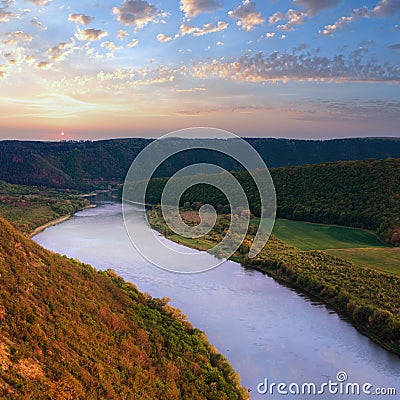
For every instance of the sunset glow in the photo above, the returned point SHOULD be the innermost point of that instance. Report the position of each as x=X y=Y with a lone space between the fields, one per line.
x=293 y=68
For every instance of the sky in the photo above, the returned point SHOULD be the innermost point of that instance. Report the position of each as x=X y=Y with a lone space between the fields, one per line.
x=310 y=69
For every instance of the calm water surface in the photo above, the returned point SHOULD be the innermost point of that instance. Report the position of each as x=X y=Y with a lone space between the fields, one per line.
x=266 y=330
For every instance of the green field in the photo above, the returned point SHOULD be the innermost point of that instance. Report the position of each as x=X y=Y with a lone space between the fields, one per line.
x=308 y=236
x=355 y=245
x=385 y=259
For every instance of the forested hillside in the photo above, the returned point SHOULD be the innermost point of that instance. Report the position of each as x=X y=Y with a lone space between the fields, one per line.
x=84 y=165
x=78 y=165
x=68 y=331
x=363 y=194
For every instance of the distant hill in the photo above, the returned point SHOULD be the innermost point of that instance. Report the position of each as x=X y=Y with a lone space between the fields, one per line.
x=68 y=331
x=84 y=165
x=78 y=165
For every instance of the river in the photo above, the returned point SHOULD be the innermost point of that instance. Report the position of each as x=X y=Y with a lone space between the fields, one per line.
x=266 y=330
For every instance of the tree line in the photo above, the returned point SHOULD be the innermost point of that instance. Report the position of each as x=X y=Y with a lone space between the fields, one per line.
x=362 y=194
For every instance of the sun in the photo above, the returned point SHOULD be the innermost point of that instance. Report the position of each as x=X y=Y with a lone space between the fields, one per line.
x=62 y=133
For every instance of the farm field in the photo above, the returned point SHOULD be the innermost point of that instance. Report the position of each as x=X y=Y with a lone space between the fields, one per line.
x=309 y=236
x=355 y=245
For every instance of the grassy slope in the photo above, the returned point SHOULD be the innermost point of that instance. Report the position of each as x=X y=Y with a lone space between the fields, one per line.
x=383 y=259
x=68 y=331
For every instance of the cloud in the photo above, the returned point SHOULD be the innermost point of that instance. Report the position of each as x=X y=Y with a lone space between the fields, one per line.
x=17 y=36
x=246 y=15
x=349 y=110
x=394 y=46
x=315 y=6
x=81 y=18
x=163 y=38
x=298 y=66
x=204 y=30
x=49 y=105
x=30 y=60
x=342 y=22
x=226 y=109
x=192 y=8
x=111 y=46
x=270 y=35
x=61 y=51
x=126 y=79
x=3 y=71
x=191 y=90
x=298 y=17
x=138 y=13
x=121 y=34
x=186 y=29
x=382 y=9
x=133 y=43
x=35 y=21
x=5 y=16
x=294 y=18
x=39 y=2
x=91 y=34
x=276 y=17
x=43 y=65
x=387 y=7
x=300 y=47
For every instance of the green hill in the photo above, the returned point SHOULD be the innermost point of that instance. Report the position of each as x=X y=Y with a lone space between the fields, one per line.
x=86 y=164
x=68 y=331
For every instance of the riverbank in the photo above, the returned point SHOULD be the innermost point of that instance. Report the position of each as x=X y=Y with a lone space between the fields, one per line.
x=368 y=299
x=56 y=221
x=48 y=224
